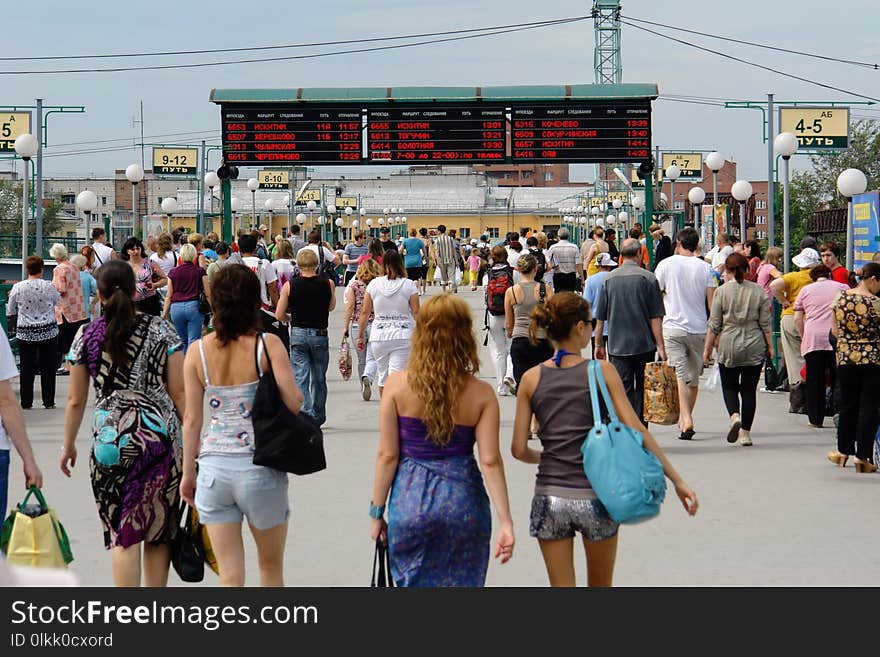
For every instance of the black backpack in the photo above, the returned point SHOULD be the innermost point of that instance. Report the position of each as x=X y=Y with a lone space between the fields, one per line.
x=326 y=269
x=542 y=263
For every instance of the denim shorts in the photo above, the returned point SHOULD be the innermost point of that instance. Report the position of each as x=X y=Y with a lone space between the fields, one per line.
x=553 y=518
x=229 y=488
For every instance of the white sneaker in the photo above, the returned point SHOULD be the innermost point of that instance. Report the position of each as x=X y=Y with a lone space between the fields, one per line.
x=503 y=392
x=510 y=384
x=745 y=440
x=366 y=390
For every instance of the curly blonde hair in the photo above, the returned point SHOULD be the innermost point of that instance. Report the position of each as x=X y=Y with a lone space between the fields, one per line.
x=444 y=352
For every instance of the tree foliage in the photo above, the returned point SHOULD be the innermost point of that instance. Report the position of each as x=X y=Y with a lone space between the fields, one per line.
x=10 y=212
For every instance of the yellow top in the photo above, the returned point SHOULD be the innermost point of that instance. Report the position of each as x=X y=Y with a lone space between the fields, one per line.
x=591 y=266
x=794 y=283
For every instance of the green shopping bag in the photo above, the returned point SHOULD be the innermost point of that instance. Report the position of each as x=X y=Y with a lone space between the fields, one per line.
x=33 y=536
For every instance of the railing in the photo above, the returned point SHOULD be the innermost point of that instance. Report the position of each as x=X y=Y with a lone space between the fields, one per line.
x=10 y=245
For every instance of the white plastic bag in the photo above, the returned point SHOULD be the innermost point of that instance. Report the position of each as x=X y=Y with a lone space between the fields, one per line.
x=437 y=277
x=713 y=379
x=457 y=276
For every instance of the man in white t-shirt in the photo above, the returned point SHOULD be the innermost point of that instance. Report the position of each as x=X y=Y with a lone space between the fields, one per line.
x=103 y=253
x=329 y=254
x=264 y=270
x=12 y=429
x=688 y=284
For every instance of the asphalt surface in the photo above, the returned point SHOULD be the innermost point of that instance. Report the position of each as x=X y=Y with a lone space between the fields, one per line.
x=776 y=514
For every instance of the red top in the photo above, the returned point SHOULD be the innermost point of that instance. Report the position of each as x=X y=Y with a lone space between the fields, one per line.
x=840 y=274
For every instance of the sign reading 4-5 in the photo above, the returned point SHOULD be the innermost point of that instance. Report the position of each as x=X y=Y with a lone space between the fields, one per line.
x=817 y=128
x=12 y=125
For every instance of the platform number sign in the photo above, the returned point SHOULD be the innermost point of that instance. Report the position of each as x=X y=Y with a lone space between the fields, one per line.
x=691 y=164
x=817 y=128
x=175 y=161
x=273 y=179
x=12 y=125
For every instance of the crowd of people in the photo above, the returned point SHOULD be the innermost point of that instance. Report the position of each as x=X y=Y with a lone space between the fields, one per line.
x=263 y=303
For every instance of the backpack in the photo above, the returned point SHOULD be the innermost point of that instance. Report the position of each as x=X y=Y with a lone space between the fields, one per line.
x=123 y=412
x=500 y=280
x=542 y=263
x=326 y=269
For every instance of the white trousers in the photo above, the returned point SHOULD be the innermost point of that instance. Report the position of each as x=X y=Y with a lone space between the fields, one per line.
x=391 y=356
x=499 y=348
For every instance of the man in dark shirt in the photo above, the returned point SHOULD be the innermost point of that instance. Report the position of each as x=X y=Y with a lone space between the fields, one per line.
x=386 y=242
x=632 y=304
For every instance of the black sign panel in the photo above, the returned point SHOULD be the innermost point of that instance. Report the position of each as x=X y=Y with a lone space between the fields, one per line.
x=291 y=135
x=463 y=132
x=436 y=134
x=581 y=132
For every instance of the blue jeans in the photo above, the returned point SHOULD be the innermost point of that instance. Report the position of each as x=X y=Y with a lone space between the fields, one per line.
x=187 y=320
x=310 y=356
x=4 y=481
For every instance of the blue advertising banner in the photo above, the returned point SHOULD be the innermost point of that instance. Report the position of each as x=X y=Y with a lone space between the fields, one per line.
x=866 y=227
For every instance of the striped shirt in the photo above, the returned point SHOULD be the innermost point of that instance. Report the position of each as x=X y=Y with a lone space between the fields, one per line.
x=446 y=251
x=566 y=255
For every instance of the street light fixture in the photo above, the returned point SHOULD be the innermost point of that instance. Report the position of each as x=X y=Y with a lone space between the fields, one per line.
x=269 y=204
x=696 y=195
x=638 y=202
x=212 y=180
x=135 y=173
x=715 y=161
x=169 y=207
x=235 y=204
x=785 y=145
x=26 y=146
x=253 y=184
x=849 y=183
x=742 y=192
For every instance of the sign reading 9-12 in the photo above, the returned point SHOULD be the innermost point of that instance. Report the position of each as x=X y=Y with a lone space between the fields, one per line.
x=175 y=161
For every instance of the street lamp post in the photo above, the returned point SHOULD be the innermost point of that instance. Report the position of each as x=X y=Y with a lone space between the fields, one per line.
x=715 y=162
x=331 y=210
x=742 y=191
x=849 y=183
x=269 y=204
x=696 y=195
x=253 y=184
x=638 y=203
x=169 y=207
x=348 y=212
x=673 y=173
x=26 y=146
x=785 y=145
x=235 y=203
x=135 y=173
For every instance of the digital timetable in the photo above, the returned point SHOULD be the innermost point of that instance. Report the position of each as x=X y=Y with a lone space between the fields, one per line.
x=466 y=132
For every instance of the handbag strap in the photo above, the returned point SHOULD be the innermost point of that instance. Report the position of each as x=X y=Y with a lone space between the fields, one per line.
x=597 y=385
x=36 y=492
x=259 y=349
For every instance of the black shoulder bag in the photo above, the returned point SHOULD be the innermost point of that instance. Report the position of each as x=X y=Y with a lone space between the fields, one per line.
x=282 y=440
x=381 y=567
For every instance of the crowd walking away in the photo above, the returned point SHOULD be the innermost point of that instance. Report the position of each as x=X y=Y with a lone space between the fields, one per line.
x=173 y=335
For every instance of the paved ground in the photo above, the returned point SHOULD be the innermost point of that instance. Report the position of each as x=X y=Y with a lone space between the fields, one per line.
x=775 y=514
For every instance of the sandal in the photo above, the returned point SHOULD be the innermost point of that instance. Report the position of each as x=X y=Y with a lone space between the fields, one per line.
x=687 y=434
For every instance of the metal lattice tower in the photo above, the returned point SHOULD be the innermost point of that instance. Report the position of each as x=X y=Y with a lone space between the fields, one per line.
x=607 y=67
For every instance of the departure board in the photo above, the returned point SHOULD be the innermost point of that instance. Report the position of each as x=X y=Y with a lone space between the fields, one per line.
x=581 y=132
x=269 y=135
x=572 y=131
x=436 y=134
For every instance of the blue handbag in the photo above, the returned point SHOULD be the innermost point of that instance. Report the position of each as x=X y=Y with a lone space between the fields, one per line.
x=628 y=479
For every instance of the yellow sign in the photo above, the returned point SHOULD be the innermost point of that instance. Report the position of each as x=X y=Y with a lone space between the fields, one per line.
x=310 y=195
x=273 y=179
x=691 y=164
x=12 y=126
x=817 y=128
x=596 y=202
x=345 y=202
x=623 y=197
x=175 y=161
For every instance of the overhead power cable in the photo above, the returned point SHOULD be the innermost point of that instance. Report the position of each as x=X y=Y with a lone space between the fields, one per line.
x=170 y=134
x=345 y=42
x=758 y=45
x=461 y=37
x=745 y=61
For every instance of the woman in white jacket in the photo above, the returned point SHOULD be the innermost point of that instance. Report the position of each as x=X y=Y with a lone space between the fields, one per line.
x=394 y=301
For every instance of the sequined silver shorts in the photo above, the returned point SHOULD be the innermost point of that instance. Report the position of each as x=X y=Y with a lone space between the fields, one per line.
x=554 y=518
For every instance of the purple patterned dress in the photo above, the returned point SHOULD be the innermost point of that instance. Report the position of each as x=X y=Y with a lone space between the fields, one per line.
x=136 y=452
x=439 y=521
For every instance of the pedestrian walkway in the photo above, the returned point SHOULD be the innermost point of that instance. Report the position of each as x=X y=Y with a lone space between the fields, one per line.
x=775 y=514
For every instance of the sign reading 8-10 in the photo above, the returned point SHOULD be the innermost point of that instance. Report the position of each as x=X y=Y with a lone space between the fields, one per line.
x=817 y=128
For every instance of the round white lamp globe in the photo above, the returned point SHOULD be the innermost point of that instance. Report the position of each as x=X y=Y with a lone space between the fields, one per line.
x=212 y=179
x=851 y=182
x=300 y=218
x=785 y=144
x=741 y=190
x=134 y=173
x=169 y=205
x=311 y=205
x=86 y=200
x=252 y=184
x=26 y=145
x=673 y=172
x=715 y=161
x=696 y=195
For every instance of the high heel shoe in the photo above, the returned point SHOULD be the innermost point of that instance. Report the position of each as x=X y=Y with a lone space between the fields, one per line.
x=865 y=466
x=838 y=459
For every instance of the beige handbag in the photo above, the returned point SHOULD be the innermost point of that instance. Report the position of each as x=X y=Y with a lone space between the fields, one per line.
x=661 y=394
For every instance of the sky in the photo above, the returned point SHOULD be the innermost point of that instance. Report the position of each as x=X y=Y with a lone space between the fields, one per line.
x=176 y=101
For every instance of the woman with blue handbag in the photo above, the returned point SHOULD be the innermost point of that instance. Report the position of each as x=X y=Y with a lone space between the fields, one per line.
x=559 y=394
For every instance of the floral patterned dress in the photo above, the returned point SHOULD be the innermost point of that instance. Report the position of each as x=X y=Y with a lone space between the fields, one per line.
x=136 y=452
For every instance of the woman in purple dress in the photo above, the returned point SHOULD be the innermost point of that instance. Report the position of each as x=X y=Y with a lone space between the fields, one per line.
x=439 y=521
x=135 y=362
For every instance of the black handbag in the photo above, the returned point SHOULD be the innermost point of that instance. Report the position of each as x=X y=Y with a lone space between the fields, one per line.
x=797 y=399
x=774 y=379
x=187 y=551
x=282 y=440
x=204 y=304
x=381 y=567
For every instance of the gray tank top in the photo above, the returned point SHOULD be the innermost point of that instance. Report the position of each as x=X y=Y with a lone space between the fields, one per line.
x=523 y=310
x=561 y=403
